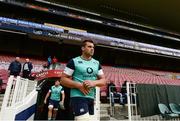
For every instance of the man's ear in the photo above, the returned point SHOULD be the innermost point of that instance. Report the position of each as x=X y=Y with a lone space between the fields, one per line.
x=82 y=48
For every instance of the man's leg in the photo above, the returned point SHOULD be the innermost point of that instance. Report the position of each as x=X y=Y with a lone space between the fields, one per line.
x=56 y=105
x=80 y=109
x=84 y=117
x=54 y=113
x=125 y=98
x=112 y=99
x=91 y=110
x=120 y=98
x=50 y=109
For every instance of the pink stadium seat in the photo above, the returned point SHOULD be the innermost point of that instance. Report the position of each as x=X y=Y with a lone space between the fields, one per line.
x=139 y=76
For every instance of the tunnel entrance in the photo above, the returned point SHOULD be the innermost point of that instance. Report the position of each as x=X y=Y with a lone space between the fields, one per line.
x=42 y=109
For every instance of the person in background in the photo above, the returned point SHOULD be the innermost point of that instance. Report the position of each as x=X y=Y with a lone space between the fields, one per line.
x=123 y=93
x=49 y=61
x=54 y=60
x=111 y=87
x=27 y=67
x=54 y=65
x=55 y=94
x=111 y=90
x=15 y=67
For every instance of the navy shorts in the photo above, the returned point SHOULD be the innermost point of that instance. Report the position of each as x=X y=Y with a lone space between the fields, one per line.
x=54 y=103
x=82 y=105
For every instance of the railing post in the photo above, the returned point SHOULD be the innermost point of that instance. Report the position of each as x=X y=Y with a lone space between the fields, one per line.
x=135 y=98
x=16 y=89
x=97 y=105
x=128 y=100
x=20 y=90
x=26 y=81
x=110 y=101
x=7 y=94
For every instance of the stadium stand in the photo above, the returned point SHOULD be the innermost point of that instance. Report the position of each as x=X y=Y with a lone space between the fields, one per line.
x=138 y=76
x=115 y=74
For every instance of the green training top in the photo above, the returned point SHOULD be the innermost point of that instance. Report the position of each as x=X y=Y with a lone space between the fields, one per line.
x=81 y=70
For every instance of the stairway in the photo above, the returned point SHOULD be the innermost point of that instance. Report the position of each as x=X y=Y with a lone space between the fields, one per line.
x=104 y=111
x=1 y=100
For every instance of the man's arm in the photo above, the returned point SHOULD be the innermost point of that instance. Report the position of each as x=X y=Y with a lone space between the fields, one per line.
x=68 y=82
x=10 y=66
x=20 y=66
x=63 y=96
x=100 y=82
x=47 y=95
x=30 y=66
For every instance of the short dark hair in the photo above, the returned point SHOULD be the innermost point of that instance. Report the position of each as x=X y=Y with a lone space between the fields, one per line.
x=57 y=80
x=88 y=40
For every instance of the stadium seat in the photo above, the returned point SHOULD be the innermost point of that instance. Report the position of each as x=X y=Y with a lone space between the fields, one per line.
x=174 y=108
x=166 y=113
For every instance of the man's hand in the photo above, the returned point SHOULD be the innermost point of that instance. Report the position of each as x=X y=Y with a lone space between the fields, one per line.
x=61 y=104
x=83 y=89
x=45 y=101
x=88 y=84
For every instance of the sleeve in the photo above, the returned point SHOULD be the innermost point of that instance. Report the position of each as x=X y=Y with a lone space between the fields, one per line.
x=23 y=67
x=69 y=69
x=62 y=90
x=10 y=66
x=20 y=67
x=100 y=71
x=50 y=89
x=31 y=66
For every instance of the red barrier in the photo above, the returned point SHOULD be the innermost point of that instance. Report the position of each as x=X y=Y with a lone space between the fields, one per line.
x=47 y=74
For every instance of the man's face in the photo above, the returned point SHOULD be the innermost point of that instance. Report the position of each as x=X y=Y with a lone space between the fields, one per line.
x=88 y=49
x=57 y=83
x=17 y=59
x=27 y=60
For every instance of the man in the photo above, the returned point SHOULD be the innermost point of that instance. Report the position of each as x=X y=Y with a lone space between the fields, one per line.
x=112 y=91
x=15 y=67
x=49 y=61
x=27 y=67
x=82 y=74
x=56 y=91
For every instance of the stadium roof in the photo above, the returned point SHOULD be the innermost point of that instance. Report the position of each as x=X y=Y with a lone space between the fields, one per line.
x=163 y=14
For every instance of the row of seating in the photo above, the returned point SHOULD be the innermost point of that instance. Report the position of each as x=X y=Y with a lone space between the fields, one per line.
x=8 y=59
x=173 y=112
x=139 y=76
x=112 y=74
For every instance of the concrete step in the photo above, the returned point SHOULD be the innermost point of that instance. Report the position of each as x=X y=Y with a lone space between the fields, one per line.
x=104 y=112
x=1 y=97
x=102 y=118
x=0 y=106
x=104 y=115
x=1 y=100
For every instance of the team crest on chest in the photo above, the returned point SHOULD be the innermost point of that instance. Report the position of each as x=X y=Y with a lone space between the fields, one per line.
x=89 y=70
